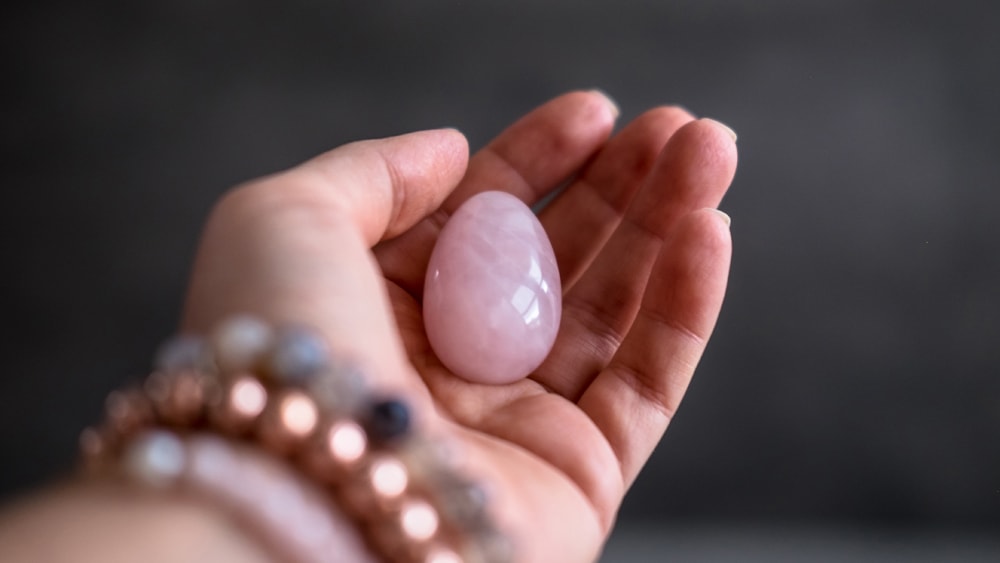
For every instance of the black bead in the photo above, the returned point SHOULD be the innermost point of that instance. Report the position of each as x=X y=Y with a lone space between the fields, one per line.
x=388 y=421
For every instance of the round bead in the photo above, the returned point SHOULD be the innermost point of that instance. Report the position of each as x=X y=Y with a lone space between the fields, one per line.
x=240 y=343
x=248 y=397
x=127 y=411
x=488 y=545
x=377 y=488
x=155 y=458
x=463 y=502
x=299 y=414
x=297 y=356
x=179 y=396
x=183 y=352
x=388 y=421
x=389 y=477
x=442 y=554
x=338 y=449
x=418 y=520
x=430 y=457
x=288 y=421
x=340 y=390
x=346 y=442
x=95 y=445
x=237 y=406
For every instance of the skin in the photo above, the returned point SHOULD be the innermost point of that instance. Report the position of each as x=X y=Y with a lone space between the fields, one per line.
x=342 y=241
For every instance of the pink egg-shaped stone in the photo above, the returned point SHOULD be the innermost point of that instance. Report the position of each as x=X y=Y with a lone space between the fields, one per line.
x=492 y=298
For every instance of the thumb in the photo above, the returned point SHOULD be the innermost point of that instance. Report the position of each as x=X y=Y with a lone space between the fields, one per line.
x=384 y=185
x=295 y=246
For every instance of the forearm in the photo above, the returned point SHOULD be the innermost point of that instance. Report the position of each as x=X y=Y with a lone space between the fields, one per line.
x=108 y=522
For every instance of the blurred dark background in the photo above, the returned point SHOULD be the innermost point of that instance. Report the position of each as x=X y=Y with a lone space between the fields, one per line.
x=852 y=389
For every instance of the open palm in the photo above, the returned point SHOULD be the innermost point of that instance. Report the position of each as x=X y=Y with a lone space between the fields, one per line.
x=642 y=255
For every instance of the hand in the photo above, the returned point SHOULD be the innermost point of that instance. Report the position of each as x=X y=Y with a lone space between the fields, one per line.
x=342 y=243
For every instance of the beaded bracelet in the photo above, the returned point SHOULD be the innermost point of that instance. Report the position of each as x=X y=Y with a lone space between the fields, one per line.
x=255 y=401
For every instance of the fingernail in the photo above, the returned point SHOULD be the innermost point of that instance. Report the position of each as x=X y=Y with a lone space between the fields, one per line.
x=725 y=217
x=724 y=127
x=611 y=101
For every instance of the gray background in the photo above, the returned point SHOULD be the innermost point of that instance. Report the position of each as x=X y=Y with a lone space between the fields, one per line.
x=849 y=405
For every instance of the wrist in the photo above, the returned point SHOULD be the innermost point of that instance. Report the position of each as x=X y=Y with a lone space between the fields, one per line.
x=288 y=441
x=108 y=521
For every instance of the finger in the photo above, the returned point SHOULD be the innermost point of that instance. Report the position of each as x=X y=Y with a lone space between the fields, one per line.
x=294 y=247
x=581 y=219
x=635 y=397
x=693 y=171
x=529 y=159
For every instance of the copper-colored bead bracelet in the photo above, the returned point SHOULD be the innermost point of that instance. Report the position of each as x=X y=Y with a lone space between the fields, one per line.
x=266 y=423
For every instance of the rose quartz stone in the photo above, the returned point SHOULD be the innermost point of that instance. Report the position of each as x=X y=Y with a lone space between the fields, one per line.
x=492 y=299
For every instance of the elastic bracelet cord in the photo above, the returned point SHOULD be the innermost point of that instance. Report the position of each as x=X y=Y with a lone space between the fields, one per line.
x=269 y=425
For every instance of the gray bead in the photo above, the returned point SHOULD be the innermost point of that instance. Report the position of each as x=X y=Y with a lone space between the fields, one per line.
x=183 y=352
x=156 y=458
x=240 y=343
x=298 y=355
x=463 y=502
x=340 y=390
x=493 y=546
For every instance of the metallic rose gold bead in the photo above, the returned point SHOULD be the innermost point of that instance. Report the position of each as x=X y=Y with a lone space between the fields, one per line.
x=187 y=398
x=441 y=554
x=288 y=421
x=408 y=533
x=97 y=447
x=127 y=411
x=298 y=414
x=179 y=397
x=92 y=444
x=347 y=442
x=377 y=488
x=389 y=477
x=157 y=386
x=337 y=451
x=418 y=520
x=239 y=404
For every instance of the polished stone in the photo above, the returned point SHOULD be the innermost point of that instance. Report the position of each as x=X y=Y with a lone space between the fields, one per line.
x=492 y=298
